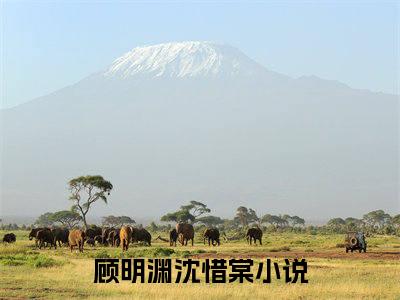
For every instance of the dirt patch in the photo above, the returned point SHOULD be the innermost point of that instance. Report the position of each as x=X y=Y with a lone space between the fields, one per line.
x=376 y=255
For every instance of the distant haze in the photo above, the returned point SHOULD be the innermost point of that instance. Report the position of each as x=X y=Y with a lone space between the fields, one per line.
x=176 y=122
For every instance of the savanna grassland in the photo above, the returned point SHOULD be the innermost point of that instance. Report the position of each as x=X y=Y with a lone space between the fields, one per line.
x=27 y=272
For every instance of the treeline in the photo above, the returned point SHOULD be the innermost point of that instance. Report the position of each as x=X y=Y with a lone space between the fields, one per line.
x=85 y=191
x=198 y=214
x=374 y=222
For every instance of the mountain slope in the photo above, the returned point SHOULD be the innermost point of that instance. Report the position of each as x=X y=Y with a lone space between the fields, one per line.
x=178 y=122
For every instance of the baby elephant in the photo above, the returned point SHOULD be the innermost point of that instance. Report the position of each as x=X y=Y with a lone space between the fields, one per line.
x=173 y=237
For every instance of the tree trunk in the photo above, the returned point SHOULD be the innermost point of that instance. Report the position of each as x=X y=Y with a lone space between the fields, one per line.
x=84 y=222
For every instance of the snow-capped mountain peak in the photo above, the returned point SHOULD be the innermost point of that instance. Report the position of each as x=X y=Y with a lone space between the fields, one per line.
x=183 y=59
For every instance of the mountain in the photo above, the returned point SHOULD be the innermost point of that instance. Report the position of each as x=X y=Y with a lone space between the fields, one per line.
x=183 y=60
x=176 y=122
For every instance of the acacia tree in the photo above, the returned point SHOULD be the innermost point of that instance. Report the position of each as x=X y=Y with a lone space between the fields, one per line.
x=210 y=221
x=187 y=213
x=67 y=218
x=86 y=190
x=292 y=220
x=276 y=221
x=296 y=220
x=196 y=208
x=114 y=221
x=245 y=216
x=178 y=216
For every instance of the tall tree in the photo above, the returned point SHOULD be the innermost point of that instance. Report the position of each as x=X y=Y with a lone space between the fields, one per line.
x=241 y=215
x=86 y=190
x=245 y=216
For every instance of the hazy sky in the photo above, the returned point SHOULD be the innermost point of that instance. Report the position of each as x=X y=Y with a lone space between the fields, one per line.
x=48 y=45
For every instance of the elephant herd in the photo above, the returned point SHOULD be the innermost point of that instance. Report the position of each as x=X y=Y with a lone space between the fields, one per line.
x=52 y=236
x=115 y=237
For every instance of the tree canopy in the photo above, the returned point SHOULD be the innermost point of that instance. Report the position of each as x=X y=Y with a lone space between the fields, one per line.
x=210 y=221
x=117 y=221
x=86 y=190
x=187 y=213
x=244 y=216
x=67 y=218
x=376 y=218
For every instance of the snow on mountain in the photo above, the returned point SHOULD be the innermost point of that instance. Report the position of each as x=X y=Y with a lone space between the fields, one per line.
x=183 y=59
x=237 y=133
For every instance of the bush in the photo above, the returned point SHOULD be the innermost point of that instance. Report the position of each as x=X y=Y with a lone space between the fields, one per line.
x=32 y=260
x=199 y=251
x=163 y=252
x=185 y=254
x=42 y=261
x=280 y=249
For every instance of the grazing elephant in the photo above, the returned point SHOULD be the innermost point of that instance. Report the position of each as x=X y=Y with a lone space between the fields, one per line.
x=60 y=235
x=104 y=235
x=45 y=237
x=125 y=235
x=113 y=238
x=32 y=234
x=93 y=231
x=212 y=234
x=185 y=233
x=255 y=234
x=76 y=238
x=141 y=235
x=98 y=239
x=173 y=236
x=90 y=241
x=9 y=238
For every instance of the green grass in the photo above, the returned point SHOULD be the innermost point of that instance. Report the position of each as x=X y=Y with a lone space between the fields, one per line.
x=26 y=272
x=35 y=260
